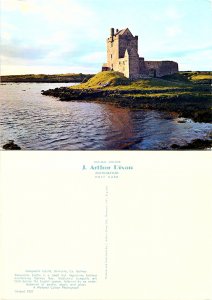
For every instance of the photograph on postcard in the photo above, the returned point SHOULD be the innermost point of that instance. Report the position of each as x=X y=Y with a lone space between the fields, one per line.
x=106 y=98
x=104 y=75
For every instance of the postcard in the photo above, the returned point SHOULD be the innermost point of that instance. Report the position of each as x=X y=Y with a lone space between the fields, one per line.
x=105 y=139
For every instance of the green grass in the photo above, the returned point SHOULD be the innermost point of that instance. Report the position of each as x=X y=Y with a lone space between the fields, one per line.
x=110 y=80
x=181 y=77
x=199 y=77
x=154 y=83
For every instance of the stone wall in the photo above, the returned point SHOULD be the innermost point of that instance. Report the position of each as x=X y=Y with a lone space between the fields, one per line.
x=142 y=68
x=160 y=68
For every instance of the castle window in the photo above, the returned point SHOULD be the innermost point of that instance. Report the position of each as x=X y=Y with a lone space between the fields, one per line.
x=111 y=56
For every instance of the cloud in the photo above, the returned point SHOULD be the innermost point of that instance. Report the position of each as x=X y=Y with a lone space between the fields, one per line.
x=32 y=55
x=64 y=15
x=18 y=5
x=55 y=34
x=24 y=52
x=95 y=57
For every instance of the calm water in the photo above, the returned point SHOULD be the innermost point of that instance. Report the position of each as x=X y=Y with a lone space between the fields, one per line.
x=39 y=122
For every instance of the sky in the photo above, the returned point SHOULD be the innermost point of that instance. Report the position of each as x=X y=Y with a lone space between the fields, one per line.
x=69 y=36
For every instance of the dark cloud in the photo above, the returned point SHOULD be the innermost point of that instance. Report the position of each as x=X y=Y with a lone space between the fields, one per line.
x=15 y=52
x=23 y=51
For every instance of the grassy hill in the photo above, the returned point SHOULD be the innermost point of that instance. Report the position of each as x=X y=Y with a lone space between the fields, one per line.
x=110 y=80
x=105 y=80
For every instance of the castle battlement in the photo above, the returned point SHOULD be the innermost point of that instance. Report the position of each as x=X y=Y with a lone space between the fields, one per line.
x=122 y=56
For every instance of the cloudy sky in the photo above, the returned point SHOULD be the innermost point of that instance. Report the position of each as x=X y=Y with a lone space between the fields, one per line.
x=62 y=36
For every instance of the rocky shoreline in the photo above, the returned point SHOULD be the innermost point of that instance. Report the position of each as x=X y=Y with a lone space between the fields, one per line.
x=195 y=106
x=197 y=144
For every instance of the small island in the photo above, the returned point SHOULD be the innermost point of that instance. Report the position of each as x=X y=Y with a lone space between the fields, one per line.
x=186 y=93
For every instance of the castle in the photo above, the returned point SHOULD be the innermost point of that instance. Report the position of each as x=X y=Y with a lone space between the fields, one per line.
x=122 y=56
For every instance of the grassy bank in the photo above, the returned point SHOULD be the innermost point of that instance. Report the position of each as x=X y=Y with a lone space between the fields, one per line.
x=70 y=77
x=177 y=93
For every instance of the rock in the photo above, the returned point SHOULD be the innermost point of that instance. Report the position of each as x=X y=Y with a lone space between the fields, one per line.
x=11 y=146
x=197 y=144
x=175 y=146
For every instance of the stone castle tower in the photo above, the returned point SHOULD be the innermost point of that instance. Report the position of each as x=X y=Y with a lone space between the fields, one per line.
x=122 y=56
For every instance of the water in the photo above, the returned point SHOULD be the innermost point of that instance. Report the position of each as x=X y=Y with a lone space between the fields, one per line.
x=39 y=122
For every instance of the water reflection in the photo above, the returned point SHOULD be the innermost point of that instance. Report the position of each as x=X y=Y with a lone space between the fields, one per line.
x=38 y=122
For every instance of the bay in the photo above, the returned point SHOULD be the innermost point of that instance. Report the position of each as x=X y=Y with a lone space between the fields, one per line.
x=37 y=122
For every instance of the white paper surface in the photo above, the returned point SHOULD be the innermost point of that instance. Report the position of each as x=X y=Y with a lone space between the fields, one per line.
x=68 y=232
